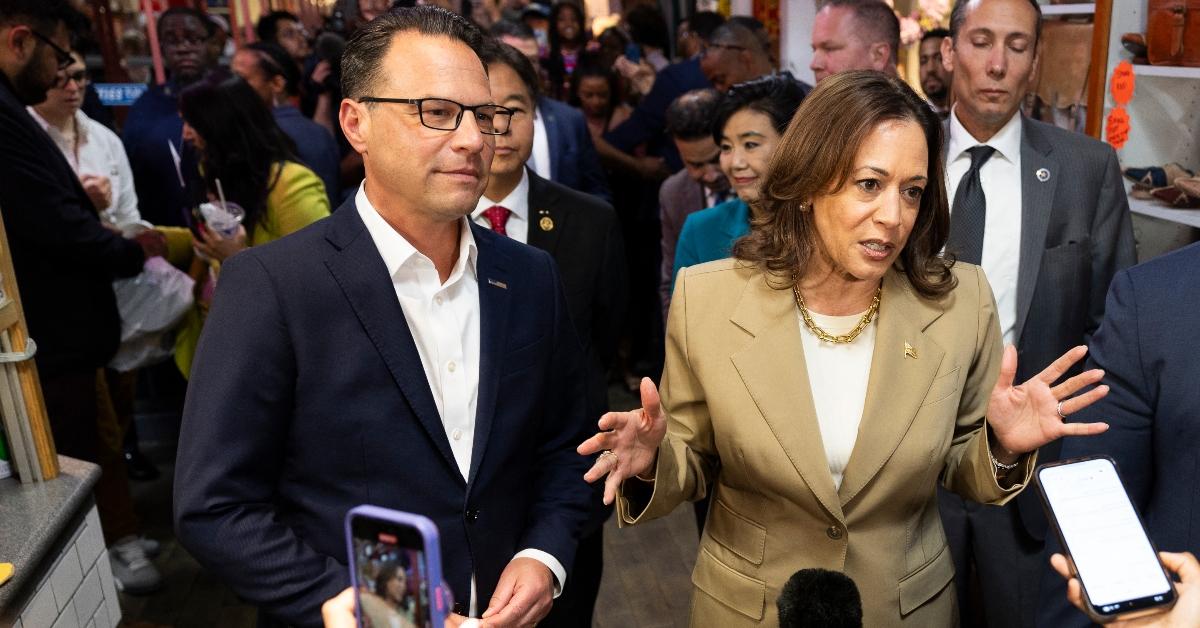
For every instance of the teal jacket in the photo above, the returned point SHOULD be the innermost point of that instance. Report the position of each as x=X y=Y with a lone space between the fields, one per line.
x=709 y=234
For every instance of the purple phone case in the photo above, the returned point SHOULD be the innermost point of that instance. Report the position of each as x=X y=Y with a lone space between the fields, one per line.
x=440 y=598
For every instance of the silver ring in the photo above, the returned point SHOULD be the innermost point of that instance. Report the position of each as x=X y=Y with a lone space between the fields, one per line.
x=1060 y=412
x=616 y=459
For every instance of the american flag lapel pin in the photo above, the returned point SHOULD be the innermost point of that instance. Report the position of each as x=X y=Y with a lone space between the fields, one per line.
x=498 y=284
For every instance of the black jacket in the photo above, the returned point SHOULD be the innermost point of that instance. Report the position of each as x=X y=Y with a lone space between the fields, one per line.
x=65 y=260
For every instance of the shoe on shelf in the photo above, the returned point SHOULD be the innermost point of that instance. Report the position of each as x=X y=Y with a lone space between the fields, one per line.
x=132 y=570
x=149 y=546
x=139 y=467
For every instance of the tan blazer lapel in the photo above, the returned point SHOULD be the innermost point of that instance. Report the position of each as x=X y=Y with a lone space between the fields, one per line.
x=772 y=368
x=903 y=366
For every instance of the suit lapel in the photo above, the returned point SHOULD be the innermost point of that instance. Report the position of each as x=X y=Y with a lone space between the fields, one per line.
x=543 y=204
x=359 y=270
x=773 y=370
x=1037 y=202
x=495 y=284
x=553 y=141
x=898 y=382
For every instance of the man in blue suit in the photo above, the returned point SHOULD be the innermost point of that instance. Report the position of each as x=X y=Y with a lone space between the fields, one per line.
x=393 y=354
x=1146 y=345
x=569 y=156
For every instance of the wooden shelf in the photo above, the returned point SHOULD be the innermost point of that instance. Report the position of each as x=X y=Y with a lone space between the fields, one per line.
x=1167 y=71
x=1154 y=209
x=1069 y=9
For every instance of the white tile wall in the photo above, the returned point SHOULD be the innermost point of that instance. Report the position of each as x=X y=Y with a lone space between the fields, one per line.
x=68 y=598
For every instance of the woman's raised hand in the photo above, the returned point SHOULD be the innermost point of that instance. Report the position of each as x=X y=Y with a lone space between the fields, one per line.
x=1028 y=416
x=628 y=442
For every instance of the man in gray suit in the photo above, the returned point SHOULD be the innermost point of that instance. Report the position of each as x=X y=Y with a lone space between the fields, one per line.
x=1044 y=212
x=700 y=184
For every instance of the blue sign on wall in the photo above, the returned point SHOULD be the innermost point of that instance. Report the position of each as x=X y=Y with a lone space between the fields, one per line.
x=119 y=94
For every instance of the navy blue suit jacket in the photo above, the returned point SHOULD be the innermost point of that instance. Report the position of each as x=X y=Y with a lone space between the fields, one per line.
x=315 y=147
x=1146 y=345
x=308 y=397
x=573 y=159
x=648 y=123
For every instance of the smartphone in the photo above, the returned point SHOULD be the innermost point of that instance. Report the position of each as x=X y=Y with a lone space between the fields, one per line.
x=395 y=569
x=633 y=52
x=1105 y=539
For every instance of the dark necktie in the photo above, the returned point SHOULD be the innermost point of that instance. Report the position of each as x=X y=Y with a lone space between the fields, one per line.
x=498 y=217
x=970 y=210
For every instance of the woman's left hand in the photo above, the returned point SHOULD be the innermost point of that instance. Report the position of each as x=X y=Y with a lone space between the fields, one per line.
x=214 y=246
x=1028 y=416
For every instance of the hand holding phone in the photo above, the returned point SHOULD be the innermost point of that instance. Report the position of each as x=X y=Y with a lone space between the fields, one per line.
x=1186 y=611
x=1119 y=573
x=395 y=569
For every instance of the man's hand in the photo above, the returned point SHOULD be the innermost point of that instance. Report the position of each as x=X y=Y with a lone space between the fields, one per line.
x=154 y=243
x=523 y=596
x=320 y=72
x=1186 y=611
x=99 y=189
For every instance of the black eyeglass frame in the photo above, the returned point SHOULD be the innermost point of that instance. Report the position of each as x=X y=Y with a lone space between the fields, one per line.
x=420 y=103
x=64 y=56
x=81 y=78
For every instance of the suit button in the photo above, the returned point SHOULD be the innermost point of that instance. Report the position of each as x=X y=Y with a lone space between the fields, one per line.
x=834 y=532
x=472 y=516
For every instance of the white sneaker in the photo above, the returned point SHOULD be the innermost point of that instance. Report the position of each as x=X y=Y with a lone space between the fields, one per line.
x=132 y=570
x=149 y=546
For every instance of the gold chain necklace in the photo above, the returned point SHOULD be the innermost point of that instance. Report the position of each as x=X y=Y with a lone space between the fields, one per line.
x=844 y=338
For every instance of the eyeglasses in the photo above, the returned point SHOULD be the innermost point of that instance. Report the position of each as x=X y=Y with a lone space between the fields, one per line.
x=441 y=114
x=79 y=76
x=63 y=56
x=719 y=47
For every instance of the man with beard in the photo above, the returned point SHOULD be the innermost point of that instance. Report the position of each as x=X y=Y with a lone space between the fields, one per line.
x=161 y=172
x=935 y=80
x=65 y=262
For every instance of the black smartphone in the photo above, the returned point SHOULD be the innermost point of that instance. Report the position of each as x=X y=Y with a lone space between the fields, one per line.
x=395 y=569
x=1105 y=539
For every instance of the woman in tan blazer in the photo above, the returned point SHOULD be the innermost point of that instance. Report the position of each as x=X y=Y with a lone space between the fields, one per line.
x=822 y=382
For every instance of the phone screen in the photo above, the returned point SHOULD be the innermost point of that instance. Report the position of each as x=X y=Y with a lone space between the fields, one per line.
x=389 y=563
x=1113 y=557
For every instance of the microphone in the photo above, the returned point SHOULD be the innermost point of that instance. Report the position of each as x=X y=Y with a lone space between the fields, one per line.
x=819 y=598
x=330 y=46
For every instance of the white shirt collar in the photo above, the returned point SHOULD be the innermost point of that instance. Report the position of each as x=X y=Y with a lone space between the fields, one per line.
x=81 y=125
x=398 y=252
x=516 y=202
x=1007 y=141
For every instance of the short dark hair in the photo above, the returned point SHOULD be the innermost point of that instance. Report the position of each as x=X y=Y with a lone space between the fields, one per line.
x=703 y=23
x=268 y=25
x=41 y=15
x=740 y=31
x=210 y=29
x=776 y=95
x=510 y=28
x=648 y=27
x=878 y=21
x=935 y=33
x=690 y=117
x=959 y=15
x=367 y=47
x=274 y=61
x=495 y=51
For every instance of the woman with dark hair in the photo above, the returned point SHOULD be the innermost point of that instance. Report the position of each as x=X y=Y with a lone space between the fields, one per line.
x=648 y=30
x=391 y=603
x=241 y=147
x=568 y=38
x=749 y=123
x=822 y=383
x=595 y=90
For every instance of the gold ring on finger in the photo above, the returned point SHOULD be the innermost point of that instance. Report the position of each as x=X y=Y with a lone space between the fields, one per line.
x=615 y=459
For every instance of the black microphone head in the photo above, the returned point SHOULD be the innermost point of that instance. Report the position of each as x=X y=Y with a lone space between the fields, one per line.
x=819 y=598
x=330 y=46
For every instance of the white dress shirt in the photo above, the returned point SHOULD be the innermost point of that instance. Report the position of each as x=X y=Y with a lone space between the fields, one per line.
x=95 y=150
x=516 y=202
x=1001 y=179
x=539 y=159
x=838 y=375
x=443 y=319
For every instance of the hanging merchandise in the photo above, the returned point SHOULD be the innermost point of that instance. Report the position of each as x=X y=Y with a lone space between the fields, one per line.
x=1121 y=86
x=1173 y=32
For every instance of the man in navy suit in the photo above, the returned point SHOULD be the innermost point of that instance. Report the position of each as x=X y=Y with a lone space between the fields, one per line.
x=569 y=156
x=394 y=354
x=1146 y=345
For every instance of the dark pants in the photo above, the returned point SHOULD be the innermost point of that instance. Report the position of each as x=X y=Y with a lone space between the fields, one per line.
x=86 y=427
x=574 y=608
x=991 y=544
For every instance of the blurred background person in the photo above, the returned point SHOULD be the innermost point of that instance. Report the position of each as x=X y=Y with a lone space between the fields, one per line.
x=596 y=91
x=65 y=260
x=285 y=30
x=736 y=53
x=854 y=35
x=648 y=31
x=240 y=145
x=699 y=185
x=389 y=602
x=935 y=79
x=267 y=68
x=693 y=32
x=163 y=168
x=568 y=39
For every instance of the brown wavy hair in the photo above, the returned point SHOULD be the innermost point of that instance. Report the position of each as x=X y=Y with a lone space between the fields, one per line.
x=815 y=157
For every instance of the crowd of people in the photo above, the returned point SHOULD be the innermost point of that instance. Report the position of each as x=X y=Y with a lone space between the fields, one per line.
x=423 y=245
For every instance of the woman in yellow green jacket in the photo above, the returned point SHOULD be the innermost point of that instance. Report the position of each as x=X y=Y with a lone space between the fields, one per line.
x=248 y=159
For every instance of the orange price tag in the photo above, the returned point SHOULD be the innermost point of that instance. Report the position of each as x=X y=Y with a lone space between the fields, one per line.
x=1121 y=84
x=1116 y=130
